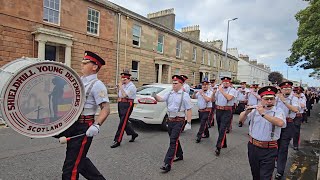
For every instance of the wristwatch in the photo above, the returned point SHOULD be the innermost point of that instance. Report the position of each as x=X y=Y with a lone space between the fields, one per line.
x=263 y=114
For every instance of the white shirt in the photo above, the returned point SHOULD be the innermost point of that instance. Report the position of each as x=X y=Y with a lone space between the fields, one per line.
x=252 y=99
x=222 y=101
x=173 y=100
x=97 y=95
x=130 y=89
x=202 y=103
x=242 y=94
x=261 y=129
x=186 y=88
x=292 y=100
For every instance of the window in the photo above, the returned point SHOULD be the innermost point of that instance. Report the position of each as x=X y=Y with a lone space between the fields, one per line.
x=135 y=71
x=194 y=54
x=177 y=71
x=136 y=34
x=214 y=60
x=51 y=11
x=50 y=53
x=203 y=53
x=160 y=43
x=209 y=60
x=93 y=21
x=220 y=63
x=178 y=49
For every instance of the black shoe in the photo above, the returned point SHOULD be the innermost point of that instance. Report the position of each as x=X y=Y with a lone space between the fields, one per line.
x=115 y=144
x=206 y=136
x=278 y=176
x=217 y=151
x=133 y=137
x=224 y=146
x=180 y=158
x=228 y=131
x=296 y=148
x=166 y=168
x=198 y=140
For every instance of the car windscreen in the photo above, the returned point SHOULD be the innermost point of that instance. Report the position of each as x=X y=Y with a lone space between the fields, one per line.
x=148 y=90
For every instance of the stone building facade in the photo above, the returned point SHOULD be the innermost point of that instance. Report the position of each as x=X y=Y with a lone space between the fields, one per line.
x=251 y=71
x=149 y=47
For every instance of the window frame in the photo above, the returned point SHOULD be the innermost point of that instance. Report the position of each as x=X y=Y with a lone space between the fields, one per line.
x=194 y=54
x=209 y=58
x=59 y=13
x=137 y=71
x=133 y=35
x=203 y=56
x=178 y=48
x=98 y=27
x=162 y=49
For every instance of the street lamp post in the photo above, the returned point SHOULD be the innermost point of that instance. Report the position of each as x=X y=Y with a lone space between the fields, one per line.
x=226 y=55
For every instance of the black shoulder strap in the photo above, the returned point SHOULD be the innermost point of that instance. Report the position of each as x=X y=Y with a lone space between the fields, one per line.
x=90 y=87
x=181 y=101
x=273 y=128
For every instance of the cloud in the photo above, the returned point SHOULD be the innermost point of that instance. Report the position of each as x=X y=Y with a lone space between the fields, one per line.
x=265 y=30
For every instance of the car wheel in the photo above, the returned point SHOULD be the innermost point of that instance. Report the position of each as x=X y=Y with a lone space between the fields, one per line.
x=164 y=125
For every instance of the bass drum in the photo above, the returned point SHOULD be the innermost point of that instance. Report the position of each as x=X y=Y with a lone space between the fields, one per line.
x=40 y=98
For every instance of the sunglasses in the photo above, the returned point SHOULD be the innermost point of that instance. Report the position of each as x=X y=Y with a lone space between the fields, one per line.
x=268 y=98
x=174 y=83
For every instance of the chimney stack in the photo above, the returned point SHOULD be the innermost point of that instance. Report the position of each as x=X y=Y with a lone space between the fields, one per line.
x=164 y=17
x=193 y=31
x=217 y=43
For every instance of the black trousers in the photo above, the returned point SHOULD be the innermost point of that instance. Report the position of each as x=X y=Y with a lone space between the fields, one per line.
x=124 y=110
x=76 y=155
x=211 y=115
x=223 y=120
x=261 y=161
x=283 y=143
x=203 y=129
x=174 y=130
x=296 y=134
x=240 y=107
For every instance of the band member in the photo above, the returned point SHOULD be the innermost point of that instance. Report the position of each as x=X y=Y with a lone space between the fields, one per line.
x=264 y=131
x=186 y=88
x=96 y=95
x=298 y=92
x=213 y=88
x=253 y=96
x=204 y=97
x=234 y=102
x=126 y=95
x=289 y=104
x=242 y=97
x=178 y=106
x=224 y=103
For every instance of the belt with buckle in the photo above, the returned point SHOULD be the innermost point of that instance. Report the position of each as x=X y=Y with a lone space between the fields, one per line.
x=264 y=144
x=298 y=115
x=205 y=109
x=224 y=107
x=125 y=100
x=289 y=119
x=86 y=119
x=176 y=119
x=243 y=102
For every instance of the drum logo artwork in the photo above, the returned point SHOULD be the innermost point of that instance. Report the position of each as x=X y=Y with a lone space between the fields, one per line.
x=43 y=100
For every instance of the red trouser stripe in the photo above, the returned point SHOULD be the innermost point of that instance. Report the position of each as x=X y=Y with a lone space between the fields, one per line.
x=126 y=118
x=75 y=167
x=212 y=117
x=224 y=137
x=175 y=150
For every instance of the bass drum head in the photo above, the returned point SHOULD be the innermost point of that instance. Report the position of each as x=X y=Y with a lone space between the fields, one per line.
x=42 y=99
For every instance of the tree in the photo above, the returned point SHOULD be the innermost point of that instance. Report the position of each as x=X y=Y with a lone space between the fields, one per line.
x=275 y=77
x=305 y=49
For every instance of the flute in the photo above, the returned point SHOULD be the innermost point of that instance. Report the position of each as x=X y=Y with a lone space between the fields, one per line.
x=255 y=107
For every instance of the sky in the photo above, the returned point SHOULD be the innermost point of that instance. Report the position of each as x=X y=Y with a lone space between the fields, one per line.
x=264 y=30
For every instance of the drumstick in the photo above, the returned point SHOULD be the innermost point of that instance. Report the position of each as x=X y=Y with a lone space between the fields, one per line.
x=63 y=139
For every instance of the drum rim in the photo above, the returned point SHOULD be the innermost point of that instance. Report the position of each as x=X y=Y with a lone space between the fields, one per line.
x=2 y=94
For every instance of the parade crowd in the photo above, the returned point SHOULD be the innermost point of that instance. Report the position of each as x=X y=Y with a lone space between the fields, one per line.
x=274 y=114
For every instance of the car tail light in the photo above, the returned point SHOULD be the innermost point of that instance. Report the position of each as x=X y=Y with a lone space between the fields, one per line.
x=147 y=101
